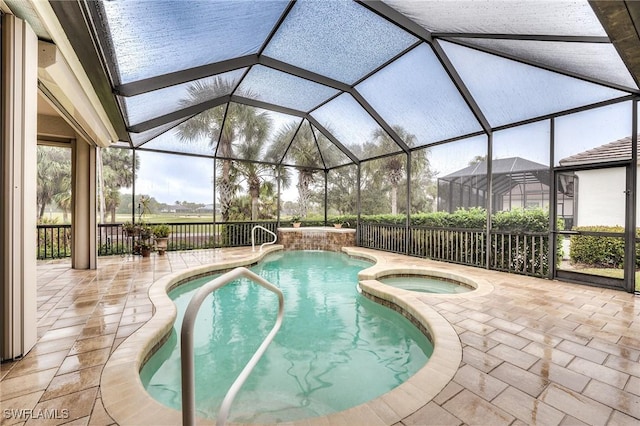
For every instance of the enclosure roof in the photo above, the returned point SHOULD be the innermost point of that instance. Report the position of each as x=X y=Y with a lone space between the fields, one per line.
x=612 y=151
x=498 y=166
x=506 y=173
x=342 y=81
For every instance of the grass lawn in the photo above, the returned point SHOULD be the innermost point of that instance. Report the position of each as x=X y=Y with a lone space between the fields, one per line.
x=165 y=218
x=609 y=272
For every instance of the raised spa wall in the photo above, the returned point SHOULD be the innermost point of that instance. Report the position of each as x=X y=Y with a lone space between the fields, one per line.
x=316 y=238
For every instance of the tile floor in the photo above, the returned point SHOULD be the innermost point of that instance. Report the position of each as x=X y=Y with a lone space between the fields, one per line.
x=534 y=351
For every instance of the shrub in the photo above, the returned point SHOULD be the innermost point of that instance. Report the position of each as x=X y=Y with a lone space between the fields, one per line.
x=600 y=252
x=475 y=218
x=520 y=220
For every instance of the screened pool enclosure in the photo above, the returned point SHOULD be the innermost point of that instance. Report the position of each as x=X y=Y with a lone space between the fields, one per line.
x=435 y=128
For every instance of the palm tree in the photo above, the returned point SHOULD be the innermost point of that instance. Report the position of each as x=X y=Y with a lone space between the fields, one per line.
x=268 y=197
x=389 y=173
x=117 y=172
x=304 y=153
x=255 y=174
x=392 y=167
x=239 y=124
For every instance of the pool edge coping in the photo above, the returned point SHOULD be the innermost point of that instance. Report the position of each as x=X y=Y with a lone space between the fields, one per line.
x=127 y=402
x=123 y=395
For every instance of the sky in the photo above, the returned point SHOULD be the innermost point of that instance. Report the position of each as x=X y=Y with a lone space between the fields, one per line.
x=170 y=178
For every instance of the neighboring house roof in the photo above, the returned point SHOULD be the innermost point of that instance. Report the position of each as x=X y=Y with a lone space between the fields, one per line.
x=499 y=166
x=612 y=151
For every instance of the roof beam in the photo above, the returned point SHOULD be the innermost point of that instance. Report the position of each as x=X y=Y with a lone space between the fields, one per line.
x=293 y=138
x=381 y=121
x=184 y=76
x=534 y=37
x=544 y=67
x=302 y=73
x=329 y=136
x=176 y=115
x=407 y=24
x=265 y=105
x=565 y=112
x=397 y=18
x=388 y=62
x=462 y=88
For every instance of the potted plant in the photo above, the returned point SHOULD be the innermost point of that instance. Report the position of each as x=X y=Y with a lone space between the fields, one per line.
x=161 y=236
x=141 y=234
x=338 y=222
x=295 y=221
x=144 y=231
x=129 y=229
x=144 y=248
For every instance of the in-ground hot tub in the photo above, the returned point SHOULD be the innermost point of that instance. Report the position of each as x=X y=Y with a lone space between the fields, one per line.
x=426 y=284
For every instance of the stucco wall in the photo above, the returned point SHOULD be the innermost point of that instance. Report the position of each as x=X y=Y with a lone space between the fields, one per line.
x=601 y=198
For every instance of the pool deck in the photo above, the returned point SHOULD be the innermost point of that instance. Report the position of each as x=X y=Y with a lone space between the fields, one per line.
x=518 y=350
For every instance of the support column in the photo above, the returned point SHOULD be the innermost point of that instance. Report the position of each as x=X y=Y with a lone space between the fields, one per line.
x=18 y=317
x=631 y=207
x=83 y=222
x=489 y=203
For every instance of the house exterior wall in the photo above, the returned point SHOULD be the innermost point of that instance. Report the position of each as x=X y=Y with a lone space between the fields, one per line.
x=600 y=197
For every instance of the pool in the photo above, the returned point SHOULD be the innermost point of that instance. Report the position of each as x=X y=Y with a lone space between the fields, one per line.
x=336 y=349
x=426 y=284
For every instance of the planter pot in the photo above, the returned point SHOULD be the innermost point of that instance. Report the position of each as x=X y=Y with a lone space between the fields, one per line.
x=146 y=252
x=296 y=224
x=161 y=244
x=337 y=225
x=132 y=234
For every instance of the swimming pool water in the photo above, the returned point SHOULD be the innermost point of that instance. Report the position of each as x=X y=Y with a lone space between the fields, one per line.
x=425 y=284
x=335 y=350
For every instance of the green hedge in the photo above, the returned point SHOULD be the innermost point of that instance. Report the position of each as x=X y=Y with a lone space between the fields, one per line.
x=599 y=252
x=517 y=220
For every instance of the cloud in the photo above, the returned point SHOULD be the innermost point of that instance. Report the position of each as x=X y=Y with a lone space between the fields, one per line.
x=169 y=178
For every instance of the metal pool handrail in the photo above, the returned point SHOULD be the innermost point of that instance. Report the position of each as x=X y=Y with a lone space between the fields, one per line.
x=253 y=237
x=187 y=337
